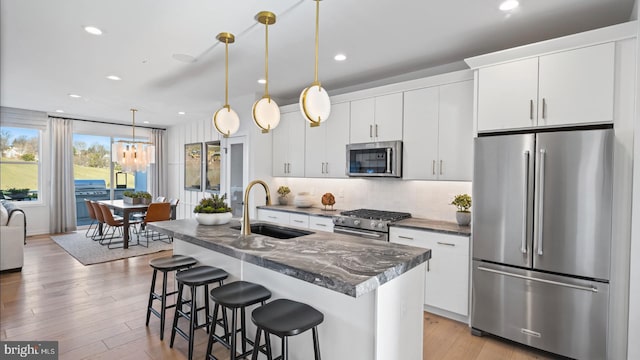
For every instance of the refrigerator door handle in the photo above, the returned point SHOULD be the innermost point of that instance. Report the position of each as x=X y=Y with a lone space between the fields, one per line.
x=543 y=152
x=525 y=202
x=578 y=287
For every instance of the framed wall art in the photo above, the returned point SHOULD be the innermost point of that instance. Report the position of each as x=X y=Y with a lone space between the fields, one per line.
x=193 y=166
x=212 y=167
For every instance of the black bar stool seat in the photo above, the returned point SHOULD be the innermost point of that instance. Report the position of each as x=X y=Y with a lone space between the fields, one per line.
x=284 y=318
x=194 y=277
x=165 y=265
x=234 y=296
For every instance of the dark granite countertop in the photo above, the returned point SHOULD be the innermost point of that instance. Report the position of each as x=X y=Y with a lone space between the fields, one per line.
x=314 y=211
x=347 y=264
x=434 y=225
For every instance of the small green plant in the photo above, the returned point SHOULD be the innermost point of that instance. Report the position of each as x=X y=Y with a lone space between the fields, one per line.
x=283 y=190
x=13 y=191
x=137 y=194
x=462 y=202
x=213 y=205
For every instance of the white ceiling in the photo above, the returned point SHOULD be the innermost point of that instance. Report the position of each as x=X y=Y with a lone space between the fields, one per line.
x=45 y=54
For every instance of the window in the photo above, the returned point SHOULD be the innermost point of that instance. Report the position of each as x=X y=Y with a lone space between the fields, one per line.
x=20 y=163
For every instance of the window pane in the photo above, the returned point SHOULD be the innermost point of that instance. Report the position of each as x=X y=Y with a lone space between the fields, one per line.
x=19 y=163
x=91 y=158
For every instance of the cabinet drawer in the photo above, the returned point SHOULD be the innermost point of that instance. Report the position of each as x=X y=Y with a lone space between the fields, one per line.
x=278 y=217
x=321 y=223
x=299 y=220
x=452 y=244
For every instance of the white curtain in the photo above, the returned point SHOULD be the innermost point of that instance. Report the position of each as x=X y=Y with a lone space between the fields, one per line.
x=63 y=197
x=158 y=171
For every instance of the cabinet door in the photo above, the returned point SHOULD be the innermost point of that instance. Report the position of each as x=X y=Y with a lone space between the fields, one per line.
x=321 y=223
x=447 y=279
x=315 y=145
x=420 y=144
x=455 y=145
x=337 y=138
x=299 y=220
x=577 y=86
x=278 y=217
x=507 y=95
x=362 y=120
x=296 y=145
x=280 y=146
x=388 y=117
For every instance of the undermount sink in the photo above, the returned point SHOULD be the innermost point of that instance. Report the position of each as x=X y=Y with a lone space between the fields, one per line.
x=275 y=231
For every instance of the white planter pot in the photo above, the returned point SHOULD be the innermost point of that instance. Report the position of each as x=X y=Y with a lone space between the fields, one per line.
x=303 y=200
x=213 y=219
x=463 y=218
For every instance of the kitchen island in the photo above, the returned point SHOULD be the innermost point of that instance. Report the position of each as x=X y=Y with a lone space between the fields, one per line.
x=370 y=292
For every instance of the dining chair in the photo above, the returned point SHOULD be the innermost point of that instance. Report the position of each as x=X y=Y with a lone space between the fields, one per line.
x=174 y=207
x=140 y=216
x=94 y=221
x=97 y=211
x=158 y=211
x=112 y=224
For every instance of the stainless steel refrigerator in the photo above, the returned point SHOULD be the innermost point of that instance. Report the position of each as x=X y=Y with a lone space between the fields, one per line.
x=542 y=238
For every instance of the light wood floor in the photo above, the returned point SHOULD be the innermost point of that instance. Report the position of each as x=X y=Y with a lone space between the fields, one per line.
x=98 y=312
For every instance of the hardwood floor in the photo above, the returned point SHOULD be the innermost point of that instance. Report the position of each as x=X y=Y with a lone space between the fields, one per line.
x=98 y=312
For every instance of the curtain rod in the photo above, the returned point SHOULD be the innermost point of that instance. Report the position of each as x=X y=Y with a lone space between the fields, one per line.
x=104 y=122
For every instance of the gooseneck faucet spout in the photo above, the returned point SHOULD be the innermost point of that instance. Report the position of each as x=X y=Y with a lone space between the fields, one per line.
x=246 y=224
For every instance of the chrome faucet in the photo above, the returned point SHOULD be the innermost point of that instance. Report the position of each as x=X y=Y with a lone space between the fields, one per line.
x=246 y=224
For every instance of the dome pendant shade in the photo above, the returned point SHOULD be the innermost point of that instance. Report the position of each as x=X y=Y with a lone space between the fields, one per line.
x=315 y=104
x=226 y=121
x=266 y=114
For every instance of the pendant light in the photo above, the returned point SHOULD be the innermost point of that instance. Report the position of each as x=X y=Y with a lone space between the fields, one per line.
x=314 y=100
x=226 y=120
x=131 y=155
x=266 y=113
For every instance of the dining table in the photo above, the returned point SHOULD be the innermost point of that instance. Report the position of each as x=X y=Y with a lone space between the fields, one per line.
x=127 y=209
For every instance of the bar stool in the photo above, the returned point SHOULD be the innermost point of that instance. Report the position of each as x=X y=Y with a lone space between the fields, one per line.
x=234 y=296
x=284 y=318
x=194 y=277
x=165 y=264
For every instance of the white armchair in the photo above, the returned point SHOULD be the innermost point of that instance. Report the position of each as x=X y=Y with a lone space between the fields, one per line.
x=12 y=238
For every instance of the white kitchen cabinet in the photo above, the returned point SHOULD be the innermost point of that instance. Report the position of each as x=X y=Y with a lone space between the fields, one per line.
x=321 y=223
x=438 y=132
x=299 y=220
x=278 y=217
x=325 y=145
x=376 y=119
x=447 y=273
x=564 y=88
x=288 y=145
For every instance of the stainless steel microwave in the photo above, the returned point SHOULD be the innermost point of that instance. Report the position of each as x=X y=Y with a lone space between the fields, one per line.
x=377 y=159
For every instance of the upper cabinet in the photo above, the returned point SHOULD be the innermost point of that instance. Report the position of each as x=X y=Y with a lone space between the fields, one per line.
x=325 y=144
x=564 y=88
x=376 y=119
x=438 y=132
x=288 y=145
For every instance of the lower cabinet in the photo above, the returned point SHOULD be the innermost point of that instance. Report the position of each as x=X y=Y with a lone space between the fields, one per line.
x=320 y=223
x=447 y=277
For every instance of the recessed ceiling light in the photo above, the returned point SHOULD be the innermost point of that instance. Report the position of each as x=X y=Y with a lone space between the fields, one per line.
x=59 y=111
x=340 y=57
x=113 y=77
x=181 y=113
x=185 y=58
x=262 y=81
x=93 y=30
x=75 y=96
x=146 y=122
x=509 y=5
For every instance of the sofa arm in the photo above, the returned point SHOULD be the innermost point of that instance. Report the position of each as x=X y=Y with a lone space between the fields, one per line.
x=12 y=243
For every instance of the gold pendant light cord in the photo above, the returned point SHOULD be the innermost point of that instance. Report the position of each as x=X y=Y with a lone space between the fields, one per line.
x=226 y=73
x=133 y=115
x=317 y=31
x=266 y=59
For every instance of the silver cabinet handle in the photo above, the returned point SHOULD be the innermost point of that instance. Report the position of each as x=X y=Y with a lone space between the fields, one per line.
x=405 y=237
x=298 y=221
x=288 y=168
x=433 y=167
x=544 y=108
x=585 y=288
x=541 y=201
x=440 y=167
x=376 y=130
x=388 y=160
x=446 y=244
x=530 y=109
x=525 y=202
x=324 y=225
x=284 y=167
x=272 y=217
x=326 y=168
x=370 y=131
x=428 y=265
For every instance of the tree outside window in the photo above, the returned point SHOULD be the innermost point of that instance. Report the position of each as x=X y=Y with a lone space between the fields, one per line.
x=19 y=163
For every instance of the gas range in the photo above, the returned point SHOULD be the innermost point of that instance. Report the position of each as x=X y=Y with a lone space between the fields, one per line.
x=367 y=223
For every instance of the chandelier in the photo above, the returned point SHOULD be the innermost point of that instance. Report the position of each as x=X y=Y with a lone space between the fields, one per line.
x=133 y=156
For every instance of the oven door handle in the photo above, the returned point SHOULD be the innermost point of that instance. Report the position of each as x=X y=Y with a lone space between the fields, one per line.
x=355 y=232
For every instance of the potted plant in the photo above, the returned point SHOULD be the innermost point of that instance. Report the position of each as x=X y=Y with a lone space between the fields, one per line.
x=463 y=203
x=213 y=210
x=136 y=197
x=283 y=191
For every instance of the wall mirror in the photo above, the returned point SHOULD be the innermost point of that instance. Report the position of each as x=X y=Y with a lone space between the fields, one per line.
x=193 y=166
x=212 y=172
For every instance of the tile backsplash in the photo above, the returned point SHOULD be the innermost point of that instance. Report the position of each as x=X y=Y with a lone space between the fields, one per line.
x=423 y=199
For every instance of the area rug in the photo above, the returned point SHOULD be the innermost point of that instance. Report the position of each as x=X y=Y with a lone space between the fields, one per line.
x=90 y=252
